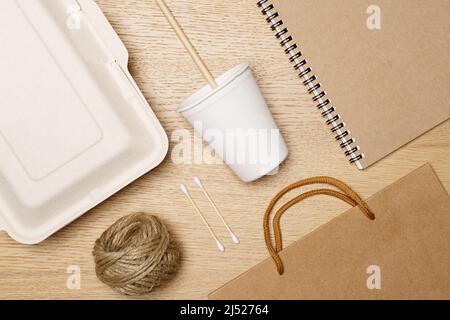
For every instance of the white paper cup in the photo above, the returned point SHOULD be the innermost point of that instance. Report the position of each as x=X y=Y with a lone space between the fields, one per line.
x=236 y=122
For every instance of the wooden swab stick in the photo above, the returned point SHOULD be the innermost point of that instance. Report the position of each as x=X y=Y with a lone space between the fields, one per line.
x=187 y=44
x=197 y=209
x=199 y=183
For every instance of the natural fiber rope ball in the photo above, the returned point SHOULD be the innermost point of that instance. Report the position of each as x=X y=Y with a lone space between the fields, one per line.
x=135 y=255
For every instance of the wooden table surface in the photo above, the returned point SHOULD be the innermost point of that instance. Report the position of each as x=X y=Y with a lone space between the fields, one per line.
x=225 y=33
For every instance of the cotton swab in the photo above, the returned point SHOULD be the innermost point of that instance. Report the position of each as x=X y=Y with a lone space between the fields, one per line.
x=199 y=183
x=187 y=44
x=219 y=244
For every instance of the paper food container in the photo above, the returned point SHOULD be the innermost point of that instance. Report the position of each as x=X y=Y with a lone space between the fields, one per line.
x=74 y=127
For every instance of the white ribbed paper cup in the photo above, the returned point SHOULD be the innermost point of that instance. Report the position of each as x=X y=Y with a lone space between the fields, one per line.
x=237 y=123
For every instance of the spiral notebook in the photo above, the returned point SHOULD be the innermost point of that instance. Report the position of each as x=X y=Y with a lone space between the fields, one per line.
x=385 y=67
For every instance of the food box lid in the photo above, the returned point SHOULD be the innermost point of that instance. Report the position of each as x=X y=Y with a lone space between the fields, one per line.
x=74 y=126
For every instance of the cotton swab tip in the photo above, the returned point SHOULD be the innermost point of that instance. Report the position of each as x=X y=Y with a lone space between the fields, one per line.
x=220 y=246
x=184 y=189
x=198 y=182
x=235 y=238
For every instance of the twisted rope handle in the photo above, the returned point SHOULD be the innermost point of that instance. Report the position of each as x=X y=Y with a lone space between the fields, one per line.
x=345 y=194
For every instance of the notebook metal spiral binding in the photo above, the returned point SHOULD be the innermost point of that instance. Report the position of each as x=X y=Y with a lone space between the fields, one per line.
x=314 y=88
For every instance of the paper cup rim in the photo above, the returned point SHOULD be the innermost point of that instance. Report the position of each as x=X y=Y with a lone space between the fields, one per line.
x=205 y=93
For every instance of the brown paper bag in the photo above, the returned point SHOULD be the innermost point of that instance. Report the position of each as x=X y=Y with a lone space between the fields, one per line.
x=403 y=254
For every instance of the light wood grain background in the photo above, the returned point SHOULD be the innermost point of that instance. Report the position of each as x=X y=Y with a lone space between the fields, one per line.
x=226 y=33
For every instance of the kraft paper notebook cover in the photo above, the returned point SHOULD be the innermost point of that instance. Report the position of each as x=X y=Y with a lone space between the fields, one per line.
x=384 y=87
x=409 y=242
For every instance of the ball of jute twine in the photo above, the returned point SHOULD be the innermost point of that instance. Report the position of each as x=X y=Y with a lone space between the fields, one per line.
x=135 y=255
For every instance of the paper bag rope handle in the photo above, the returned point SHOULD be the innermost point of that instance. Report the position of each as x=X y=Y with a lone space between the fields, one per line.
x=347 y=195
